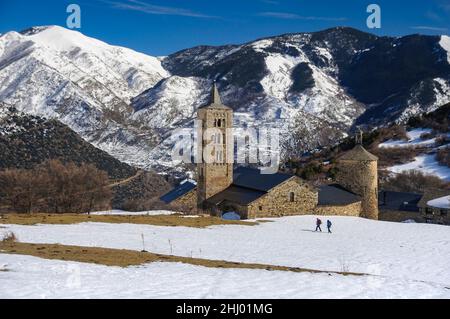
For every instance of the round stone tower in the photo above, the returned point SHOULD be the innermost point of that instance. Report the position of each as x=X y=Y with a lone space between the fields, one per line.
x=358 y=172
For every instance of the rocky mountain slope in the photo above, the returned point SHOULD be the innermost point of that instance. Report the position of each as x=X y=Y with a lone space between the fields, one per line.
x=128 y=104
x=85 y=83
x=27 y=140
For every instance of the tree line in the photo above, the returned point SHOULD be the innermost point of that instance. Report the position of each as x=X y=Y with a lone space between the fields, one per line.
x=55 y=187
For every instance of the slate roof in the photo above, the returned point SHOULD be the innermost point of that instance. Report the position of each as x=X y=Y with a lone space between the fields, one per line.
x=248 y=185
x=336 y=195
x=400 y=201
x=177 y=192
x=358 y=153
x=236 y=194
x=253 y=179
x=215 y=101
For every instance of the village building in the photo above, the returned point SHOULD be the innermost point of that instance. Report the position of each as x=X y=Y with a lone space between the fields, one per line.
x=399 y=206
x=435 y=207
x=223 y=188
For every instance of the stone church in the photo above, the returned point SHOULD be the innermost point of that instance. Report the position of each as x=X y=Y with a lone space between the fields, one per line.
x=222 y=188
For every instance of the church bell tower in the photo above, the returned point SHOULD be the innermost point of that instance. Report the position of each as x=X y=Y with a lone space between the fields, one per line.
x=215 y=147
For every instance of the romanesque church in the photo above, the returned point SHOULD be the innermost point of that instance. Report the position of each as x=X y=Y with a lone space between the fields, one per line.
x=222 y=188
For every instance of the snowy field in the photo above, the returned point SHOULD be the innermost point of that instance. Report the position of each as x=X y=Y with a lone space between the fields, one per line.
x=146 y=213
x=404 y=260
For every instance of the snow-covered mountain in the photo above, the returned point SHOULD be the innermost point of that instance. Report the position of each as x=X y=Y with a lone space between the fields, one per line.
x=85 y=83
x=315 y=85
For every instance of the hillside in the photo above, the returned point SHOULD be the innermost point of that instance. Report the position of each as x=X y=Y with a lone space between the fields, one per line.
x=128 y=104
x=27 y=140
x=421 y=144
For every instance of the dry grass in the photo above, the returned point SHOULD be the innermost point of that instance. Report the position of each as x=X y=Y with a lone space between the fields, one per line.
x=125 y=258
x=160 y=220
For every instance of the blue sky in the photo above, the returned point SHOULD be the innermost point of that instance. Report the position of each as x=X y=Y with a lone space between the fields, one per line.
x=161 y=27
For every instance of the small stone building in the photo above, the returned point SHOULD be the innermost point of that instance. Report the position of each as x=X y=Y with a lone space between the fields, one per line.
x=435 y=207
x=399 y=206
x=182 y=198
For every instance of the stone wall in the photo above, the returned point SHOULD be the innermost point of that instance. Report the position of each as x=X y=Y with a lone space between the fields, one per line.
x=435 y=215
x=353 y=209
x=186 y=203
x=226 y=206
x=361 y=177
x=277 y=202
x=399 y=216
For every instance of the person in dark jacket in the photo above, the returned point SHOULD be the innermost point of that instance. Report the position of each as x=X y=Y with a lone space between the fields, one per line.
x=329 y=224
x=318 y=223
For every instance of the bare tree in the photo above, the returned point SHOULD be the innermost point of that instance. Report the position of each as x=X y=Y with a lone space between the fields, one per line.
x=56 y=188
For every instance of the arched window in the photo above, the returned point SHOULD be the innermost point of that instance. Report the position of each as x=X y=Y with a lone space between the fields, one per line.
x=223 y=121
x=215 y=123
x=219 y=123
x=292 y=197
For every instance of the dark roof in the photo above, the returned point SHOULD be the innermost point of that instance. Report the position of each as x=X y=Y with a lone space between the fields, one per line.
x=177 y=192
x=358 y=153
x=400 y=201
x=252 y=178
x=215 y=100
x=336 y=195
x=236 y=194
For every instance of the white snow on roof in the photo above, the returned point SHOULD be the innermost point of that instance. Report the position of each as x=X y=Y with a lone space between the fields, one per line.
x=445 y=43
x=442 y=202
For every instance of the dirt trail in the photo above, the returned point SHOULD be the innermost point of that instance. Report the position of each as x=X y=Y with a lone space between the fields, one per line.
x=127 y=180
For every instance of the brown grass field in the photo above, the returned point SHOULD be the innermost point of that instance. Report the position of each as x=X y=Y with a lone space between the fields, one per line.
x=159 y=220
x=126 y=258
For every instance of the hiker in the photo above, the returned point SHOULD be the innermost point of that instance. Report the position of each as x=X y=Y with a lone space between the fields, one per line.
x=318 y=223
x=329 y=224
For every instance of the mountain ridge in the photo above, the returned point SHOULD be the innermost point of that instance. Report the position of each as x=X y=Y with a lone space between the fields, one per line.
x=127 y=103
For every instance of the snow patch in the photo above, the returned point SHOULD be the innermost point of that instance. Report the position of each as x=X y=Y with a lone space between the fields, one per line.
x=426 y=164
x=445 y=43
x=413 y=139
x=126 y=213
